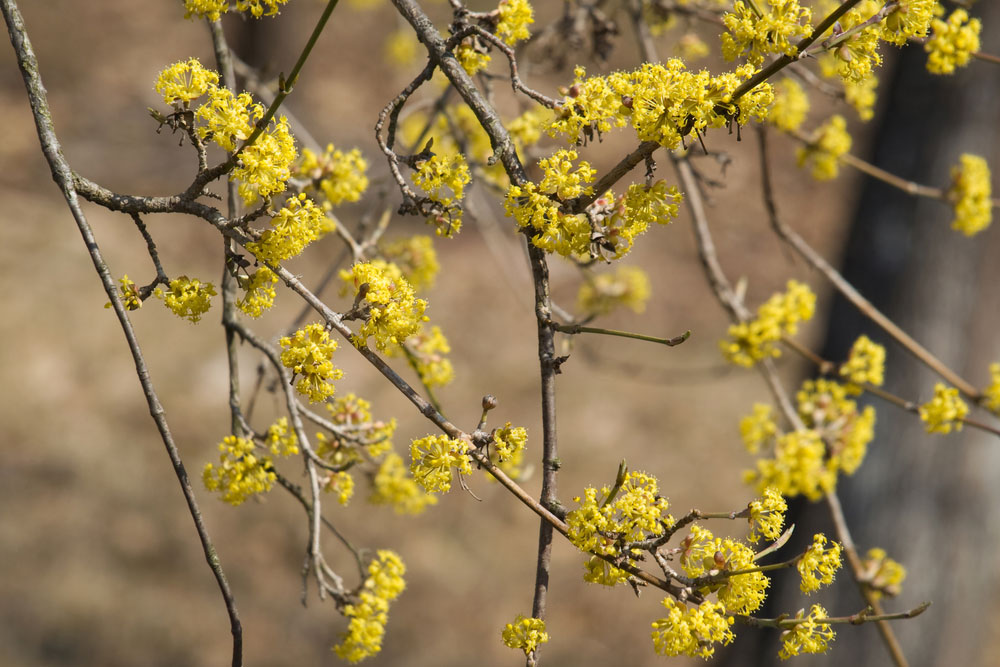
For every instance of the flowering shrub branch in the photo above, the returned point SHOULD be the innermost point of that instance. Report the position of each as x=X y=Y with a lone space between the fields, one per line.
x=280 y=201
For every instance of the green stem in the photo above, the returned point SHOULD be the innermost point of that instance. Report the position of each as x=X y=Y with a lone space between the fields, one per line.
x=577 y=329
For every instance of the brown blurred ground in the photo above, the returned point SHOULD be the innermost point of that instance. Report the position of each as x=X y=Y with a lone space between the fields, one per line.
x=100 y=564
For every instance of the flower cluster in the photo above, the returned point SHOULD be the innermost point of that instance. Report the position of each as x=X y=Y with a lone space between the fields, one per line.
x=796 y=466
x=628 y=286
x=185 y=81
x=608 y=226
x=432 y=460
x=791 y=105
x=515 y=17
x=835 y=439
x=818 y=565
x=824 y=406
x=258 y=292
x=263 y=168
x=809 y=635
x=663 y=102
x=537 y=206
x=603 y=523
x=945 y=411
x=753 y=341
x=704 y=554
x=241 y=472
x=856 y=53
x=525 y=634
x=309 y=353
x=188 y=298
x=882 y=574
x=213 y=9
x=952 y=42
x=393 y=311
x=509 y=441
x=443 y=179
x=281 y=439
x=599 y=571
x=991 y=395
x=295 y=226
x=758 y=428
x=384 y=583
x=129 y=293
x=393 y=485
x=416 y=258
x=908 y=19
x=865 y=364
x=970 y=194
x=758 y=29
x=692 y=631
x=355 y=429
x=825 y=147
x=340 y=176
x=767 y=515
x=426 y=352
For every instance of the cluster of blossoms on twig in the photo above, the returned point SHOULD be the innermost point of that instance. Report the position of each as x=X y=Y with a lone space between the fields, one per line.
x=570 y=211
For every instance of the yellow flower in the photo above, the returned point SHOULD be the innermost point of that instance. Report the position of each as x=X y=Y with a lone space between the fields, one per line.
x=864 y=365
x=393 y=485
x=809 y=636
x=416 y=258
x=970 y=193
x=241 y=472
x=340 y=176
x=628 y=287
x=825 y=147
x=767 y=515
x=758 y=429
x=443 y=179
x=882 y=574
x=227 y=118
x=791 y=105
x=908 y=19
x=309 y=353
x=818 y=565
x=798 y=466
x=129 y=294
x=991 y=395
x=259 y=292
x=295 y=226
x=952 y=42
x=764 y=27
x=432 y=460
x=515 y=17
x=185 y=81
x=212 y=9
x=188 y=298
x=945 y=411
x=393 y=311
x=691 y=631
x=525 y=634
x=366 y=630
x=264 y=167
x=753 y=341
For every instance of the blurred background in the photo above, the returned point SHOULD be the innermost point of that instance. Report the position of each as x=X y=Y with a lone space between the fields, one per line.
x=99 y=561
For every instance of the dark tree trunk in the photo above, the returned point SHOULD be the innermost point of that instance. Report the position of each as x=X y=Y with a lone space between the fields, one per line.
x=932 y=501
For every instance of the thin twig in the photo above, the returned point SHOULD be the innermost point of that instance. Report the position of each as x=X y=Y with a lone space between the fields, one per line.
x=863 y=305
x=64 y=178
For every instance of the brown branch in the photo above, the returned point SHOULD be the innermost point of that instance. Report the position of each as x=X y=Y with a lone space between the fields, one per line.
x=815 y=260
x=63 y=176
